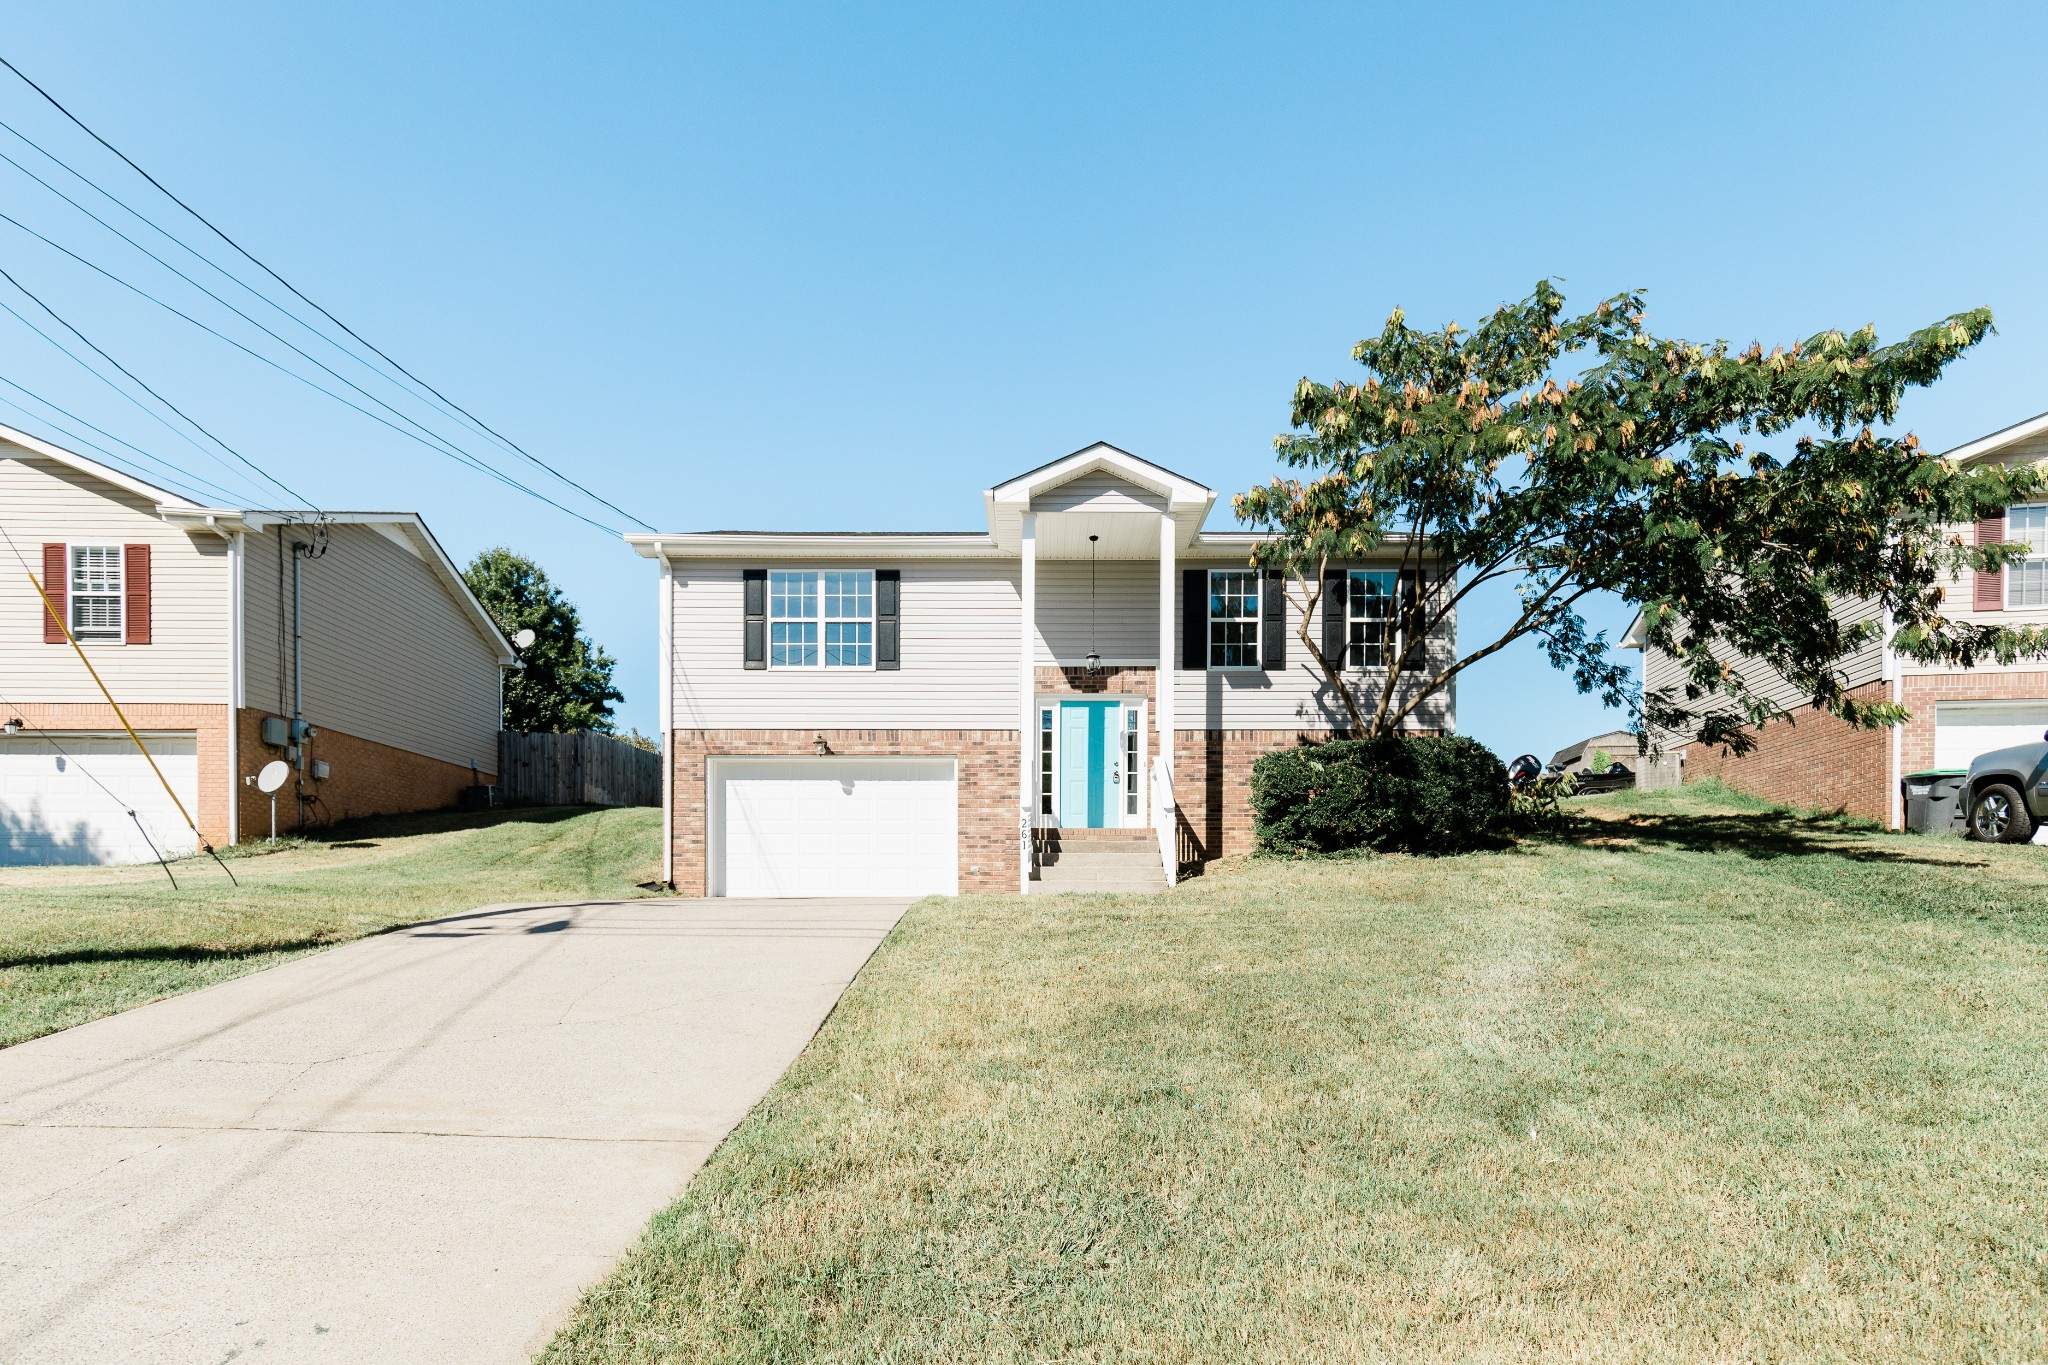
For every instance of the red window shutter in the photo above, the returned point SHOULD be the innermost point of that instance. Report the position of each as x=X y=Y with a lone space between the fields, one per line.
x=1988 y=592
x=135 y=593
x=56 y=581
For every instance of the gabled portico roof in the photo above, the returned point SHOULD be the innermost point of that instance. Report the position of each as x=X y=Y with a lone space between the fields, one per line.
x=1121 y=488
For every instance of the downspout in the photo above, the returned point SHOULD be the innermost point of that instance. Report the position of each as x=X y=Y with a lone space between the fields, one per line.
x=237 y=674
x=1895 y=800
x=667 y=598
x=300 y=550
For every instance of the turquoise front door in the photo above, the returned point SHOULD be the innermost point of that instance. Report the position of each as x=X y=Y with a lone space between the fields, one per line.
x=1091 y=764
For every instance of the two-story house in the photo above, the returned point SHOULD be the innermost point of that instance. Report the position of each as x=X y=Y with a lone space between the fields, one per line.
x=345 y=644
x=882 y=713
x=1957 y=714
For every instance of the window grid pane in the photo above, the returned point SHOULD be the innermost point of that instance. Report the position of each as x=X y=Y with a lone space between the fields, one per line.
x=849 y=644
x=1233 y=618
x=793 y=644
x=1045 y=763
x=96 y=592
x=849 y=594
x=1130 y=761
x=2026 y=581
x=1371 y=609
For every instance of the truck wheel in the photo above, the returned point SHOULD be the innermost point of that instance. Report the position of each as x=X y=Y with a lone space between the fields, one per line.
x=1998 y=816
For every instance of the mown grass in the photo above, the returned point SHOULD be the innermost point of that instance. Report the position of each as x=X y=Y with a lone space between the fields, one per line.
x=1698 y=1080
x=77 y=943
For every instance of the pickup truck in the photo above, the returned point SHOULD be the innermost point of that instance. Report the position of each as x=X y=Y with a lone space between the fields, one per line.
x=2008 y=794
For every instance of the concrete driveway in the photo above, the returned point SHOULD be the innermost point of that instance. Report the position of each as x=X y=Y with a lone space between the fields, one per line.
x=420 y=1147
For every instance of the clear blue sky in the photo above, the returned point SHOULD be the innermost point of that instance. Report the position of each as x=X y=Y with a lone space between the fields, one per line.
x=845 y=266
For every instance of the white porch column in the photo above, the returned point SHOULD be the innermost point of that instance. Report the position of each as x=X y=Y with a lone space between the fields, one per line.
x=1027 y=712
x=1162 y=702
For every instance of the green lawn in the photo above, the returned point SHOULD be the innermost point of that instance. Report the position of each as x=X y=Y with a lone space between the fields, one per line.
x=1699 y=1082
x=77 y=943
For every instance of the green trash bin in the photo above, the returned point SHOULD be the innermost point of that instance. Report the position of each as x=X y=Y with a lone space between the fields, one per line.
x=1934 y=799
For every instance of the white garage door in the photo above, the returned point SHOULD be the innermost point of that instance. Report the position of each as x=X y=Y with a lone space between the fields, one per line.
x=1965 y=729
x=834 y=827
x=65 y=798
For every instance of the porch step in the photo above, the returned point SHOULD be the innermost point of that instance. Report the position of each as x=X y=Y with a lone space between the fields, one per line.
x=1124 y=865
x=1131 y=834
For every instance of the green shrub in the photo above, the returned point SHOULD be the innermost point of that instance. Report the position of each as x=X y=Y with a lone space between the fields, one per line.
x=1425 y=795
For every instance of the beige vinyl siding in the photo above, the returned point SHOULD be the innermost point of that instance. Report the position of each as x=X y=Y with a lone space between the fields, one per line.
x=391 y=655
x=1862 y=666
x=1099 y=491
x=1125 y=611
x=1299 y=697
x=42 y=500
x=959 y=654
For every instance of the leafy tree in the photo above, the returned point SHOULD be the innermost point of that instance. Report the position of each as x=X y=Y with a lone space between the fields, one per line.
x=567 y=681
x=1576 y=455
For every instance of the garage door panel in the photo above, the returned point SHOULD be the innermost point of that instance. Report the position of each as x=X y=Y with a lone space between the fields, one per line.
x=836 y=827
x=1963 y=730
x=66 y=798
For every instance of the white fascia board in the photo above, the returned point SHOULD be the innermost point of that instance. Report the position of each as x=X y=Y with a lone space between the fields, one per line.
x=224 y=522
x=1998 y=440
x=1175 y=488
x=1632 y=638
x=783 y=545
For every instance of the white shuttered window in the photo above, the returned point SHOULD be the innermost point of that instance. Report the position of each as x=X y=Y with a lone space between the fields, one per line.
x=2026 y=580
x=96 y=592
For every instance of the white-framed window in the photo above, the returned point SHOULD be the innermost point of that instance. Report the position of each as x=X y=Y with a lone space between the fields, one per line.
x=1371 y=637
x=97 y=593
x=1233 y=618
x=821 y=618
x=2026 y=580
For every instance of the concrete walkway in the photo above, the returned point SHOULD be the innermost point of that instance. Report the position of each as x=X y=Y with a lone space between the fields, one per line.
x=420 y=1147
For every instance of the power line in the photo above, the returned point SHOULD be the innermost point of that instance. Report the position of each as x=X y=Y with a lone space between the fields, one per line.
x=298 y=293
x=192 y=481
x=431 y=439
x=412 y=390
x=267 y=475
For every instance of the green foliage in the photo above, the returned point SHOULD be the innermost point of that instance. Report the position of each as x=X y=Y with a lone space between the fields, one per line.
x=1599 y=761
x=1425 y=795
x=566 y=684
x=1573 y=455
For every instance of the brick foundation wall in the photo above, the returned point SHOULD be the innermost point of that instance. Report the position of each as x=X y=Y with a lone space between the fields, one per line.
x=1813 y=761
x=209 y=723
x=1920 y=691
x=365 y=778
x=1135 y=681
x=991 y=847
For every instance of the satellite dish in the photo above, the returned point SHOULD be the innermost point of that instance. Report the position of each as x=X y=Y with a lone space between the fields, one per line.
x=524 y=639
x=273 y=775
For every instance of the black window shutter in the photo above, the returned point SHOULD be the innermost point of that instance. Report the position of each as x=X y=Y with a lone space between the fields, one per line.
x=888 y=600
x=1194 y=618
x=1336 y=617
x=1273 y=623
x=1411 y=618
x=755 y=583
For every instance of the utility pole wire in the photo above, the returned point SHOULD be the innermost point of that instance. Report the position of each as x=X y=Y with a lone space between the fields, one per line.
x=208 y=224
x=193 y=481
x=267 y=475
x=433 y=440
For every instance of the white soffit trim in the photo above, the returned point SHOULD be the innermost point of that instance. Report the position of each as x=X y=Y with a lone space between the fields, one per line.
x=819 y=544
x=1998 y=440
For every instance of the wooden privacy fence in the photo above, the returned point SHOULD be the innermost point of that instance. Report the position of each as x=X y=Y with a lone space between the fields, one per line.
x=576 y=770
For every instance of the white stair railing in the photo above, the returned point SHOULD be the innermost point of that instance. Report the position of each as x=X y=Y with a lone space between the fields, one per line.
x=1166 y=818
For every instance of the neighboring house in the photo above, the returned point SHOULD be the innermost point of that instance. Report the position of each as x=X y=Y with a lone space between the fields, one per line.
x=187 y=613
x=1957 y=714
x=874 y=713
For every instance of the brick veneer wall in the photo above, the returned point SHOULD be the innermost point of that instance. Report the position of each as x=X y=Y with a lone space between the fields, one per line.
x=1115 y=681
x=1813 y=761
x=365 y=778
x=1920 y=691
x=990 y=846
x=210 y=724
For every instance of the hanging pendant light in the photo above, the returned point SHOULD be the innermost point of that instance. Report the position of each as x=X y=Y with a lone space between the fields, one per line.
x=1094 y=655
